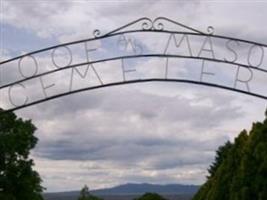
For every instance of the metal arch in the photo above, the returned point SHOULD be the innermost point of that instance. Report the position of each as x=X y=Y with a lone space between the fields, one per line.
x=151 y=28
x=146 y=26
x=132 y=57
x=132 y=31
x=131 y=82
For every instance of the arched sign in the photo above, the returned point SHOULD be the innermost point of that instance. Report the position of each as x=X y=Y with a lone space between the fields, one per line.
x=144 y=50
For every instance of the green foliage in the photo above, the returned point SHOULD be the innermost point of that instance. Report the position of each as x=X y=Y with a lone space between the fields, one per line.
x=18 y=181
x=150 y=196
x=240 y=168
x=85 y=194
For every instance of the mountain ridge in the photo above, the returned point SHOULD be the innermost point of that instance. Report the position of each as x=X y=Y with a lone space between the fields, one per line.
x=129 y=189
x=138 y=188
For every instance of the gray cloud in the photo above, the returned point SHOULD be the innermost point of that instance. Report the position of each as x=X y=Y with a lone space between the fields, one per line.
x=114 y=136
x=136 y=133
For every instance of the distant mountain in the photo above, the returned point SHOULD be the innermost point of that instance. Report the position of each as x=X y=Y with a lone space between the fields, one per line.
x=128 y=191
x=132 y=188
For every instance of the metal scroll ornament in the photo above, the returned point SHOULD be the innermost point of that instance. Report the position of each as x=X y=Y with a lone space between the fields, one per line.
x=147 y=24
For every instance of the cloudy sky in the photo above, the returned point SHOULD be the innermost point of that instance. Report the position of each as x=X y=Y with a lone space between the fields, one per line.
x=149 y=132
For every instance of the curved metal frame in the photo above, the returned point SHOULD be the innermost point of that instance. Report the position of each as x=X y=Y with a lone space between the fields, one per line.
x=131 y=57
x=147 y=25
x=132 y=31
x=136 y=81
x=118 y=31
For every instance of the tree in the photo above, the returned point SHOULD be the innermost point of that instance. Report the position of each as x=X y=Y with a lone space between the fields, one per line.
x=150 y=196
x=240 y=168
x=85 y=194
x=221 y=154
x=17 y=178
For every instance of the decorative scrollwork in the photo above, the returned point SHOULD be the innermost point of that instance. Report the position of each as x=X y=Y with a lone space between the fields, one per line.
x=97 y=33
x=147 y=24
x=158 y=24
x=210 y=30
